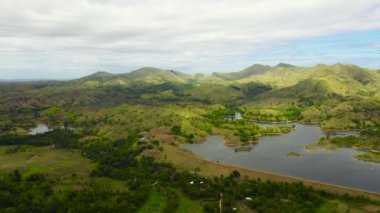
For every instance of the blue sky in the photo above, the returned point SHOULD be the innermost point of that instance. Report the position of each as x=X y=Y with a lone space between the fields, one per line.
x=54 y=39
x=360 y=48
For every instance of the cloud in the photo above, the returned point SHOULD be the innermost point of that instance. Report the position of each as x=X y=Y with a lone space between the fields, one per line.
x=74 y=37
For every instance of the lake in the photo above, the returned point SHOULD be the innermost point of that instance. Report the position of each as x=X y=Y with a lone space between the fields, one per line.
x=270 y=154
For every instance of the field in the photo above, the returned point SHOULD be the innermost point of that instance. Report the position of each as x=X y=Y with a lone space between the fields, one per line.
x=188 y=206
x=337 y=206
x=49 y=160
x=157 y=202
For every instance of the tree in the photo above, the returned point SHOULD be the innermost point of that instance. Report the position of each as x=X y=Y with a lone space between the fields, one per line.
x=175 y=130
x=235 y=174
x=17 y=175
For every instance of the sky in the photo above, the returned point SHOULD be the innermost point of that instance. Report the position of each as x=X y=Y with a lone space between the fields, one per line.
x=55 y=39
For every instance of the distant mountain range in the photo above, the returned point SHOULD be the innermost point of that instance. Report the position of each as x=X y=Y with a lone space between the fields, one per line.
x=342 y=79
x=257 y=81
x=320 y=91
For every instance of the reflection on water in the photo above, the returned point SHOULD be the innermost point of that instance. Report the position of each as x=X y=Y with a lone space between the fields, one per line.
x=270 y=154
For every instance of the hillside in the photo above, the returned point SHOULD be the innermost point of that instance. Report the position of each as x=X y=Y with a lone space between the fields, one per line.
x=116 y=139
x=322 y=81
x=255 y=69
x=350 y=79
x=278 y=88
x=155 y=75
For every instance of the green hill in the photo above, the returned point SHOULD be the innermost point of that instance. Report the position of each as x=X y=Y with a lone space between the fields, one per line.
x=339 y=79
x=101 y=76
x=155 y=75
x=247 y=72
x=343 y=79
x=147 y=84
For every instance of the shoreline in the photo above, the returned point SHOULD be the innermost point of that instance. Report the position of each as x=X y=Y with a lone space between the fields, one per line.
x=213 y=168
x=306 y=181
x=331 y=146
x=234 y=143
x=274 y=122
x=308 y=123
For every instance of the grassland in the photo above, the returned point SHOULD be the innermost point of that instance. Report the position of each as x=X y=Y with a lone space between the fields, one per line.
x=372 y=157
x=157 y=203
x=187 y=205
x=48 y=160
x=339 y=206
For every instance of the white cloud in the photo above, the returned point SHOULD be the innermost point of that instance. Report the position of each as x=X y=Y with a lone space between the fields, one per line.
x=72 y=37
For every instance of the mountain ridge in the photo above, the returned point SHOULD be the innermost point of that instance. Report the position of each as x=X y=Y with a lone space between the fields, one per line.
x=257 y=81
x=256 y=69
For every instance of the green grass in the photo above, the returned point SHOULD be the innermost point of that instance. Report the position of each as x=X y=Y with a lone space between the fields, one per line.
x=337 y=206
x=38 y=169
x=69 y=183
x=155 y=203
x=373 y=157
x=114 y=185
x=332 y=207
x=293 y=154
x=49 y=160
x=189 y=206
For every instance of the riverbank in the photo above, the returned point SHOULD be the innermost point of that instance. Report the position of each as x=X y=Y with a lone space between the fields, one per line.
x=326 y=130
x=273 y=122
x=186 y=160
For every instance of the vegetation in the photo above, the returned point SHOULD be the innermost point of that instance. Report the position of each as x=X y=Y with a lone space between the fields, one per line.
x=293 y=154
x=52 y=161
x=368 y=141
x=244 y=129
x=115 y=135
x=374 y=157
x=172 y=189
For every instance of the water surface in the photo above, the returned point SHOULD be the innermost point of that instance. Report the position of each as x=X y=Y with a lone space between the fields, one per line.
x=270 y=154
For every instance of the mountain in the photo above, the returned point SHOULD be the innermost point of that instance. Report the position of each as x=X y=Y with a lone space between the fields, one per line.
x=155 y=75
x=257 y=82
x=149 y=75
x=249 y=71
x=322 y=81
x=284 y=65
x=343 y=79
x=101 y=76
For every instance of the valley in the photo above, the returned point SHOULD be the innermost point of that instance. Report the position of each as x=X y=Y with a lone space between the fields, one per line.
x=128 y=133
